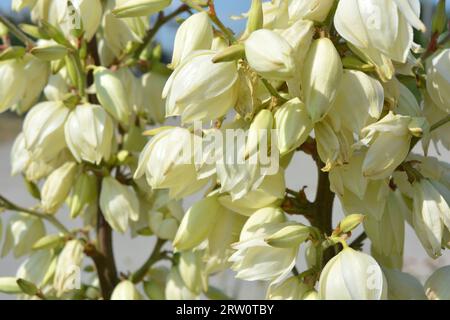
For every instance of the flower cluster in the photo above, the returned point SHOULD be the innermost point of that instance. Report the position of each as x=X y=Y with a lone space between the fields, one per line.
x=342 y=81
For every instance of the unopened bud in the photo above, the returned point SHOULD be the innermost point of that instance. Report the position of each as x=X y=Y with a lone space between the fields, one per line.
x=9 y=285
x=27 y=287
x=289 y=236
x=140 y=8
x=49 y=52
x=350 y=222
x=50 y=31
x=12 y=53
x=255 y=17
x=235 y=52
x=440 y=18
x=84 y=193
x=31 y=30
x=48 y=242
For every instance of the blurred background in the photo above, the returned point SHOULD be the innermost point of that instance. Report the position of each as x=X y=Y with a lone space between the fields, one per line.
x=131 y=253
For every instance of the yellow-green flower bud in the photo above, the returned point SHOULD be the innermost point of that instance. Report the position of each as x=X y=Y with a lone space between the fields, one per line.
x=119 y=204
x=350 y=222
x=322 y=73
x=83 y=194
x=293 y=125
x=57 y=187
x=289 y=236
x=196 y=224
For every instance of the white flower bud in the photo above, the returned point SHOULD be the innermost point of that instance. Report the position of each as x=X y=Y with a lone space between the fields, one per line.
x=322 y=73
x=125 y=290
x=36 y=267
x=195 y=33
x=254 y=259
x=275 y=14
x=288 y=235
x=259 y=133
x=271 y=190
x=197 y=224
x=112 y=95
x=153 y=85
x=388 y=233
x=225 y=232
x=38 y=169
x=299 y=36
x=349 y=177
x=165 y=216
x=57 y=187
x=290 y=289
x=20 y=157
x=37 y=73
x=378 y=26
x=352 y=275
x=200 y=89
x=118 y=35
x=68 y=268
x=89 y=132
x=58 y=86
x=371 y=202
x=403 y=286
x=411 y=10
x=315 y=10
x=293 y=125
x=13 y=79
x=138 y=8
x=270 y=55
x=43 y=130
x=167 y=162
x=431 y=214
x=389 y=141
x=334 y=147
x=176 y=288
x=8 y=285
x=360 y=108
x=79 y=15
x=438 y=82
x=192 y=271
x=22 y=232
x=119 y=204
x=437 y=284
